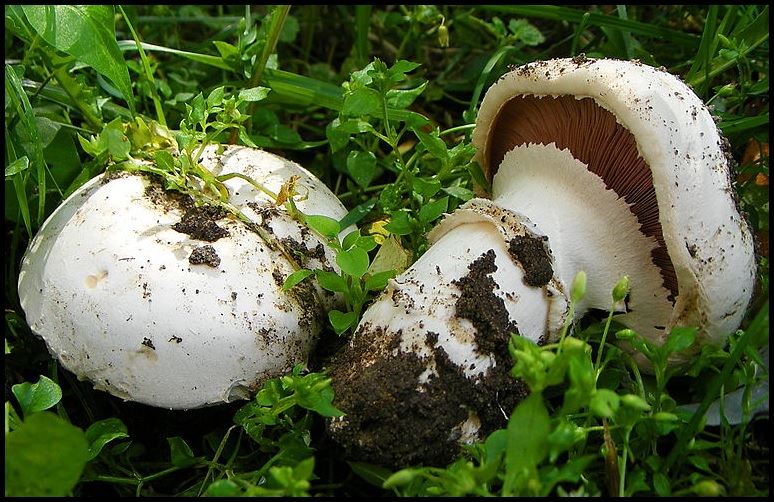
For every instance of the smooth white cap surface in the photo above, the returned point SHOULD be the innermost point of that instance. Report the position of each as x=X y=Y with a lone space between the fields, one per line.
x=107 y=282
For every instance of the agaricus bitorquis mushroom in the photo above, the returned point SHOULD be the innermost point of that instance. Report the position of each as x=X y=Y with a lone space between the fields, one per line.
x=610 y=167
x=164 y=302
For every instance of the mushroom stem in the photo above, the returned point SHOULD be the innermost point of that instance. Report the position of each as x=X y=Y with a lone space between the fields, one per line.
x=449 y=318
x=590 y=228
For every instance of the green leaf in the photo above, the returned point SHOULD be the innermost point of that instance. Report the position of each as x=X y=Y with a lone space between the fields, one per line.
x=363 y=101
x=431 y=211
x=525 y=32
x=314 y=392
x=196 y=110
x=223 y=488
x=86 y=32
x=366 y=242
x=353 y=262
x=102 y=432
x=215 y=97
x=577 y=395
x=391 y=197
x=284 y=134
x=478 y=176
x=271 y=393
x=164 y=160
x=180 y=453
x=434 y=144
x=661 y=484
x=337 y=136
x=564 y=436
x=350 y=239
x=17 y=166
x=426 y=187
x=228 y=53
x=528 y=432
x=115 y=143
x=357 y=213
x=361 y=166
x=353 y=126
x=378 y=281
x=604 y=403
x=459 y=192
x=400 y=67
x=401 y=223
x=331 y=281
x=295 y=278
x=403 y=98
x=35 y=397
x=413 y=120
x=44 y=457
x=495 y=445
x=324 y=225
x=254 y=93
x=680 y=339
x=89 y=146
x=341 y=321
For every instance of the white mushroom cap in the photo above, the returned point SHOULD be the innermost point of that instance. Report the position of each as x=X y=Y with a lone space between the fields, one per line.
x=607 y=113
x=116 y=293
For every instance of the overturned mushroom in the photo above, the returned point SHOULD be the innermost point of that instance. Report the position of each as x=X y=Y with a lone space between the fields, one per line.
x=610 y=167
x=160 y=301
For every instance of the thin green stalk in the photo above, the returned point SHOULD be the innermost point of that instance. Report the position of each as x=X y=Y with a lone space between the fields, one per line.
x=362 y=28
x=577 y=292
x=452 y=130
x=15 y=94
x=73 y=90
x=217 y=454
x=578 y=31
x=148 y=73
x=626 y=36
x=622 y=464
x=484 y=78
x=278 y=16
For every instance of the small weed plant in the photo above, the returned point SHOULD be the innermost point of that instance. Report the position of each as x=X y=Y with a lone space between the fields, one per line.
x=379 y=103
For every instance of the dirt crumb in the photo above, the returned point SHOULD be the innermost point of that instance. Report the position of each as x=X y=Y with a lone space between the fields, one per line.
x=200 y=223
x=531 y=254
x=204 y=255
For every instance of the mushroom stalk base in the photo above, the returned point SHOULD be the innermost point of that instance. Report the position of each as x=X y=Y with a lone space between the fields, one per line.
x=429 y=367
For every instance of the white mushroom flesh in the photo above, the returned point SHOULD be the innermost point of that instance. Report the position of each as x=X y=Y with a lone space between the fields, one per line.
x=590 y=228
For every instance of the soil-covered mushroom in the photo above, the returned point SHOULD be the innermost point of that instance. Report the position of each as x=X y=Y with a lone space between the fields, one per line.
x=161 y=301
x=610 y=167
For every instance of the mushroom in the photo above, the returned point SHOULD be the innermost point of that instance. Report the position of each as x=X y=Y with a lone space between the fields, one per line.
x=164 y=302
x=610 y=167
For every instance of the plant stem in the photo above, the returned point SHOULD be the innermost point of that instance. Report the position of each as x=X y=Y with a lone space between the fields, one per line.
x=278 y=16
